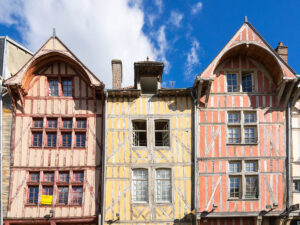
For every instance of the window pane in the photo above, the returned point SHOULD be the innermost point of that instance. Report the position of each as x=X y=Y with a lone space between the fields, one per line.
x=139 y=133
x=163 y=185
x=232 y=83
x=53 y=88
x=251 y=187
x=296 y=185
x=247 y=82
x=162 y=133
x=64 y=176
x=51 y=139
x=33 y=194
x=38 y=123
x=76 y=195
x=250 y=136
x=52 y=123
x=234 y=167
x=37 y=139
x=249 y=117
x=78 y=176
x=80 y=140
x=234 y=135
x=251 y=166
x=67 y=87
x=234 y=187
x=67 y=123
x=49 y=176
x=140 y=185
x=63 y=193
x=66 y=139
x=47 y=190
x=233 y=117
x=81 y=123
x=34 y=176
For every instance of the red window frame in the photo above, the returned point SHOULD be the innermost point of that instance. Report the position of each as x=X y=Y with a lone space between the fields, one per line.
x=51 y=139
x=47 y=190
x=77 y=195
x=64 y=176
x=67 y=123
x=48 y=176
x=78 y=176
x=81 y=123
x=37 y=141
x=34 y=177
x=66 y=139
x=35 y=194
x=63 y=197
x=37 y=123
x=51 y=122
x=80 y=141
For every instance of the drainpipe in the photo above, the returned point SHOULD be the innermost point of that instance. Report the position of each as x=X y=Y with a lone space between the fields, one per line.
x=194 y=144
x=288 y=144
x=103 y=158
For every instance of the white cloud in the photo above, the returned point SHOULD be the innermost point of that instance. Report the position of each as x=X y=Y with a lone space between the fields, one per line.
x=163 y=46
x=96 y=31
x=176 y=18
x=197 y=8
x=159 y=4
x=192 y=60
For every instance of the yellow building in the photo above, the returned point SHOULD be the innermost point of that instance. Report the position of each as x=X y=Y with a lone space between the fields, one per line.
x=148 y=153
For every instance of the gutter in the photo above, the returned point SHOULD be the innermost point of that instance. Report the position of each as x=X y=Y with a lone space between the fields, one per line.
x=103 y=158
x=195 y=144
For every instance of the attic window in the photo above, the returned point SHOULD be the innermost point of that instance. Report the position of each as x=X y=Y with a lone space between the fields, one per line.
x=149 y=85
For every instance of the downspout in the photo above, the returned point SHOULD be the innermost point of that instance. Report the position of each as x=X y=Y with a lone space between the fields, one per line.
x=194 y=144
x=288 y=144
x=103 y=157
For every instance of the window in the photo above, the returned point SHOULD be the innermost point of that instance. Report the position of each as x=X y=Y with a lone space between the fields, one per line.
x=247 y=82
x=53 y=87
x=232 y=82
x=243 y=179
x=37 y=139
x=76 y=195
x=78 y=176
x=63 y=193
x=81 y=123
x=67 y=123
x=139 y=133
x=163 y=185
x=33 y=194
x=80 y=139
x=66 y=139
x=49 y=176
x=52 y=123
x=242 y=128
x=67 y=87
x=38 y=123
x=34 y=176
x=47 y=190
x=162 y=133
x=64 y=176
x=140 y=185
x=296 y=185
x=51 y=139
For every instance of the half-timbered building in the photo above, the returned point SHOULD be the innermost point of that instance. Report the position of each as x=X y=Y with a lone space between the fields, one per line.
x=56 y=140
x=241 y=134
x=148 y=157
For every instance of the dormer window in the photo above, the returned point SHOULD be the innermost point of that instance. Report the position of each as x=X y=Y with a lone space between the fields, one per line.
x=149 y=85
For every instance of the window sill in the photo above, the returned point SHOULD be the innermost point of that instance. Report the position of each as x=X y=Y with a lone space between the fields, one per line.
x=75 y=205
x=36 y=183
x=62 y=183
x=164 y=203
x=167 y=148
x=31 y=205
x=140 y=203
x=77 y=183
x=244 y=144
x=139 y=147
x=243 y=199
x=61 y=205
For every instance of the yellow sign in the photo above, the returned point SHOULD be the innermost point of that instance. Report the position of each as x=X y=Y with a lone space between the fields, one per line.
x=46 y=199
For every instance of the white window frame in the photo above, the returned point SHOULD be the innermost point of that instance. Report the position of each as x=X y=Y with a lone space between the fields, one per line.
x=239 y=74
x=134 y=198
x=156 y=185
x=168 y=131
x=133 y=133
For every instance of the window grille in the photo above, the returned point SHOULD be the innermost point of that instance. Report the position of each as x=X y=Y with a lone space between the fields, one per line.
x=163 y=185
x=139 y=133
x=140 y=185
x=67 y=87
x=162 y=133
x=53 y=87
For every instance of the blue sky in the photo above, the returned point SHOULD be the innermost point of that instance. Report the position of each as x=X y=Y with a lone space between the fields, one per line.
x=185 y=35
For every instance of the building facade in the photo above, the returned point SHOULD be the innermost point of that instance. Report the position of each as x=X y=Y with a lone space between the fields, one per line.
x=56 y=141
x=12 y=57
x=241 y=140
x=148 y=154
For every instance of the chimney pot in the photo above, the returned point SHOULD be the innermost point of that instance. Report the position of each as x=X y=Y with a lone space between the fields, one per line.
x=117 y=74
x=282 y=51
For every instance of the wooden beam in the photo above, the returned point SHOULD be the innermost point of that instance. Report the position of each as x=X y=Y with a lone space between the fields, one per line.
x=207 y=92
x=280 y=92
x=288 y=95
x=199 y=91
x=296 y=96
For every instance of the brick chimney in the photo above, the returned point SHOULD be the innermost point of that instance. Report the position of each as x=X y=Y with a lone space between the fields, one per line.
x=282 y=51
x=116 y=65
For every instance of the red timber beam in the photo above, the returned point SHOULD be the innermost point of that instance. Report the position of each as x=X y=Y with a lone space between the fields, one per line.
x=52 y=221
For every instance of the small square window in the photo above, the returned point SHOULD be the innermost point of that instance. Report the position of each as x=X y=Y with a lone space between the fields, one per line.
x=67 y=87
x=34 y=176
x=64 y=176
x=78 y=176
x=48 y=176
x=66 y=139
x=234 y=167
x=52 y=123
x=38 y=123
x=232 y=85
x=51 y=139
x=53 y=87
x=233 y=117
x=80 y=140
x=247 y=82
x=235 y=187
x=139 y=133
x=296 y=185
x=67 y=123
x=251 y=166
x=33 y=194
x=63 y=193
x=37 y=139
x=162 y=133
x=81 y=123
x=249 y=117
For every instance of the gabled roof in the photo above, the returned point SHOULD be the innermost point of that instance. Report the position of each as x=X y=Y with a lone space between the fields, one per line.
x=249 y=42
x=52 y=48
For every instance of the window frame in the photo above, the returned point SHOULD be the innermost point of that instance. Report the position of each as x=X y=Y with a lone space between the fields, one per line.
x=39 y=143
x=133 y=131
x=297 y=182
x=240 y=74
x=133 y=193
x=28 y=195
x=156 y=186
x=60 y=86
x=72 y=195
x=51 y=86
x=162 y=131
x=80 y=141
x=52 y=135
x=68 y=91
